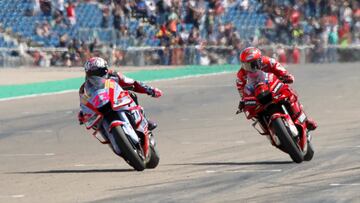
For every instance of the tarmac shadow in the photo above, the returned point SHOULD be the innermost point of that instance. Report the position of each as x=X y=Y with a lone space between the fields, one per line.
x=75 y=171
x=235 y=163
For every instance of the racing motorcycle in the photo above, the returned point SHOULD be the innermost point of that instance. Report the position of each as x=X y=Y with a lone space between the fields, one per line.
x=113 y=113
x=267 y=104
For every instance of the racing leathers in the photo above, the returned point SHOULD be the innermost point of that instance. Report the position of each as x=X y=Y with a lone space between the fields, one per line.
x=270 y=65
x=124 y=82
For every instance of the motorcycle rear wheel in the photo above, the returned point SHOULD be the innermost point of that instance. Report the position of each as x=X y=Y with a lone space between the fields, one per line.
x=310 y=152
x=287 y=142
x=128 y=152
x=154 y=158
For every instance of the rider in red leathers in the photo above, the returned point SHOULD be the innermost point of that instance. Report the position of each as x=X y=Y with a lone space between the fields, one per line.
x=97 y=66
x=252 y=60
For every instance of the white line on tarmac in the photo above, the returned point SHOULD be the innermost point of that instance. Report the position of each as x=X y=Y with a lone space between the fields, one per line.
x=198 y=86
x=12 y=196
x=95 y=165
x=41 y=131
x=207 y=119
x=11 y=155
x=36 y=95
x=345 y=184
x=76 y=90
x=214 y=143
x=358 y=146
x=245 y=171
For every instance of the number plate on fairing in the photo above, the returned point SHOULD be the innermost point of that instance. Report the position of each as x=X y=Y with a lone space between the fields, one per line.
x=122 y=101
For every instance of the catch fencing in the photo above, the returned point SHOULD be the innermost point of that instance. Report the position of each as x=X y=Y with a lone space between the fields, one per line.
x=174 y=55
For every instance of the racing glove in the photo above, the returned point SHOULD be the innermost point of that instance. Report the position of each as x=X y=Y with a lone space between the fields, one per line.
x=156 y=93
x=81 y=118
x=241 y=107
x=288 y=79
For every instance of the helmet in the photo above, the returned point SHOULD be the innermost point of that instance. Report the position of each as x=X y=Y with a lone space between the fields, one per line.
x=96 y=66
x=251 y=59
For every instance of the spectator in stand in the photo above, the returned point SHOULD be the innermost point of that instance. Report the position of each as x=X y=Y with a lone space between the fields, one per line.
x=141 y=11
x=281 y=54
x=151 y=11
x=164 y=35
x=195 y=12
x=140 y=36
x=74 y=52
x=58 y=19
x=119 y=17
x=105 y=16
x=70 y=12
x=45 y=6
x=34 y=9
x=59 y=6
x=94 y=45
x=43 y=29
x=333 y=40
x=173 y=21
x=63 y=40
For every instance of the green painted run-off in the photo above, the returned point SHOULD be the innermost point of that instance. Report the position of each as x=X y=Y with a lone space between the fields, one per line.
x=9 y=91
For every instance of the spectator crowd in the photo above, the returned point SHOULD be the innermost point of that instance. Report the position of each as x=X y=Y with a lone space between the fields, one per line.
x=196 y=32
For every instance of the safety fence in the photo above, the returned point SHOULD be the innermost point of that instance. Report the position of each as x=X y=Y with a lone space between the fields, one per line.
x=173 y=55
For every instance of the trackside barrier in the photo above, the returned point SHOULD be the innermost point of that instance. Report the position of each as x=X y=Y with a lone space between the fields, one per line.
x=176 y=55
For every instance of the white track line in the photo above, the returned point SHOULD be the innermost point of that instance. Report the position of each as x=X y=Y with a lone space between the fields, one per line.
x=207 y=119
x=214 y=143
x=36 y=95
x=76 y=90
x=358 y=146
x=96 y=165
x=245 y=171
x=345 y=184
x=12 y=155
x=12 y=196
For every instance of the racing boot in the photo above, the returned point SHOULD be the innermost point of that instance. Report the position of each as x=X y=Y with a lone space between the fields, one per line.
x=297 y=110
x=151 y=125
x=311 y=124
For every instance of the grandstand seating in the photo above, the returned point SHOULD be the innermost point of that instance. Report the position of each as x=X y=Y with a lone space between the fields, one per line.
x=89 y=16
x=6 y=44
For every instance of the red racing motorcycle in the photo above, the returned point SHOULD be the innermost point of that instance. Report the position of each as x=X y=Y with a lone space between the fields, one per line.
x=110 y=110
x=268 y=106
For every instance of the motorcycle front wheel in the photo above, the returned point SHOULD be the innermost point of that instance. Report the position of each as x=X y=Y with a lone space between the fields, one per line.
x=128 y=151
x=286 y=140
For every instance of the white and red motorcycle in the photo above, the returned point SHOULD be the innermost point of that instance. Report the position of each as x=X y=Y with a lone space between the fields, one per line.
x=109 y=109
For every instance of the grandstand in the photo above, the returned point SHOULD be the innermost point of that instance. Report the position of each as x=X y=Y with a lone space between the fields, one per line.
x=115 y=24
x=89 y=17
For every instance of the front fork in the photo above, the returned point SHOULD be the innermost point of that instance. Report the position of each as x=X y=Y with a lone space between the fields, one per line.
x=265 y=122
x=108 y=138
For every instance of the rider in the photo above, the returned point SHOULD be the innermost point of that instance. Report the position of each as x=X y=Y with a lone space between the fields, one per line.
x=252 y=60
x=97 y=66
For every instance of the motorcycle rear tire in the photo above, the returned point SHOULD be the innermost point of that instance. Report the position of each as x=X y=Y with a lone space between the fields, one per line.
x=154 y=158
x=287 y=142
x=310 y=152
x=127 y=150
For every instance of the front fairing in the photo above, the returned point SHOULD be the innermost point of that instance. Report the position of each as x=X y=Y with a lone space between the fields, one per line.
x=254 y=78
x=252 y=106
x=98 y=92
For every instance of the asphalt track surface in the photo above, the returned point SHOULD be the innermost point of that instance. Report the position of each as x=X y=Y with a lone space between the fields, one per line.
x=208 y=154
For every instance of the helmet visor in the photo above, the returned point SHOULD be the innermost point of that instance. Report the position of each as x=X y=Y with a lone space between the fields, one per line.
x=251 y=66
x=248 y=67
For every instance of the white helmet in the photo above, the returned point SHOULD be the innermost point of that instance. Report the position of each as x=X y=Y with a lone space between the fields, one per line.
x=96 y=66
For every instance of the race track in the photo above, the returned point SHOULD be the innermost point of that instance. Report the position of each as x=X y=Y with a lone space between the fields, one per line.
x=208 y=154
